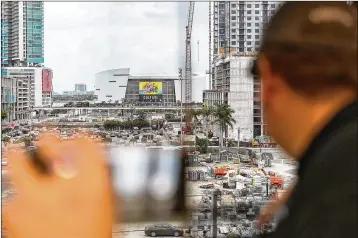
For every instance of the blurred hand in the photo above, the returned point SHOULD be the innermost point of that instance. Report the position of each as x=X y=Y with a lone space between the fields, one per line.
x=268 y=211
x=74 y=201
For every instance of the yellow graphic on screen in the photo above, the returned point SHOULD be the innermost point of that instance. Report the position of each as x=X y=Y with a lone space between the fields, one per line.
x=150 y=88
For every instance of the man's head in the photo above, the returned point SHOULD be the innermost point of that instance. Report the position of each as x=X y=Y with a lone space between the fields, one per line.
x=307 y=62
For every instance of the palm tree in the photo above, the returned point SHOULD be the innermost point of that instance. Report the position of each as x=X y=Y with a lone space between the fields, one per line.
x=223 y=118
x=3 y=114
x=206 y=112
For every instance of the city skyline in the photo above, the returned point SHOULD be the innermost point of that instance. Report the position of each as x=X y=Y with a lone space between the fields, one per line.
x=147 y=37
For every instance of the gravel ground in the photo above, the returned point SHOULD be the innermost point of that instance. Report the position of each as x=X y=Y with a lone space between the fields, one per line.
x=136 y=230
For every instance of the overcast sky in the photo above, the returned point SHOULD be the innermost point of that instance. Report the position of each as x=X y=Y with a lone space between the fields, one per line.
x=82 y=39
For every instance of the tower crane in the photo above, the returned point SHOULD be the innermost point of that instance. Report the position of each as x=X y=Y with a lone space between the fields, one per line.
x=210 y=49
x=188 y=69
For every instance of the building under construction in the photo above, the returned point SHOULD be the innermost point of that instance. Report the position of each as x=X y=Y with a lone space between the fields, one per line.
x=236 y=30
x=237 y=88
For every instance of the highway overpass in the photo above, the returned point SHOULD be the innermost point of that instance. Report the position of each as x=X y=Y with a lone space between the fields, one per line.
x=115 y=108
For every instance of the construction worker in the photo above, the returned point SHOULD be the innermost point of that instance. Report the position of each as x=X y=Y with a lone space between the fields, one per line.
x=308 y=68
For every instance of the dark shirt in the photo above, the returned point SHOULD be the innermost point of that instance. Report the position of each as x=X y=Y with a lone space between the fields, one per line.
x=324 y=201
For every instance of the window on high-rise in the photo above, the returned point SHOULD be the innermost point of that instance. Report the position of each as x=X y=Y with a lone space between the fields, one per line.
x=249 y=43
x=233 y=5
x=257 y=37
x=273 y=6
x=249 y=37
x=257 y=31
x=257 y=18
x=249 y=18
x=233 y=42
x=272 y=12
x=248 y=5
x=257 y=5
x=257 y=12
x=248 y=30
x=233 y=11
x=249 y=24
x=249 y=49
x=233 y=30
x=233 y=37
x=233 y=18
x=257 y=24
x=233 y=24
x=249 y=12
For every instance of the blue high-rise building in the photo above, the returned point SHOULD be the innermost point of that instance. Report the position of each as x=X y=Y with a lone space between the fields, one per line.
x=22 y=31
x=5 y=19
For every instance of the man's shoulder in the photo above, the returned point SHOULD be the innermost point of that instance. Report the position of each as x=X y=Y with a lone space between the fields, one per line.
x=337 y=158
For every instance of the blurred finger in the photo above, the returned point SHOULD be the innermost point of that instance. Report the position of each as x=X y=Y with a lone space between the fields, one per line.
x=66 y=163
x=22 y=175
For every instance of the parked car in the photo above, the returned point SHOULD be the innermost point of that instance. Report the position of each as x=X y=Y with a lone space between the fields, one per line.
x=163 y=230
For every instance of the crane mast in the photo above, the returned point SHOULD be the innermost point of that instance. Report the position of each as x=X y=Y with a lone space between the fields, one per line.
x=188 y=68
x=210 y=49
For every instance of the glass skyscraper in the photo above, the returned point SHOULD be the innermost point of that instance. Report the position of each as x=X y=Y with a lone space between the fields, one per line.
x=34 y=31
x=22 y=33
x=5 y=19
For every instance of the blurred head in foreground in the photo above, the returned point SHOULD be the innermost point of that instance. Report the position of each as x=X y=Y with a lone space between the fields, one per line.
x=308 y=68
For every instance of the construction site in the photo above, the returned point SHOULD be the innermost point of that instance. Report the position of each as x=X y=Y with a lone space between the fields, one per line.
x=235 y=30
x=226 y=192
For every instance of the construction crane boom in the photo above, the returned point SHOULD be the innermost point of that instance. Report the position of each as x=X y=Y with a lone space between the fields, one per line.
x=210 y=49
x=188 y=68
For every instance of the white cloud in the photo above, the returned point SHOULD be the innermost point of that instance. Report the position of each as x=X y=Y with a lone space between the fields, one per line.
x=82 y=39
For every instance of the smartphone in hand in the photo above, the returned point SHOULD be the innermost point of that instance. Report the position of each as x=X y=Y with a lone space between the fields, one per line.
x=148 y=183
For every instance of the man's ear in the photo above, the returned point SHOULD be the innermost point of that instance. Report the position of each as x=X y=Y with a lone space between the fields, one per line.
x=272 y=82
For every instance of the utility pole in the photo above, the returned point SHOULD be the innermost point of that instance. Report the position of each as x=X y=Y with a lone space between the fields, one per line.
x=214 y=226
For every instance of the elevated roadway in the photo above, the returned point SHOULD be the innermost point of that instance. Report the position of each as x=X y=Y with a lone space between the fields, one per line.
x=115 y=108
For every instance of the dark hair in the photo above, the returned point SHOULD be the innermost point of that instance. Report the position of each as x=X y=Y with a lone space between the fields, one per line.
x=311 y=58
x=313 y=69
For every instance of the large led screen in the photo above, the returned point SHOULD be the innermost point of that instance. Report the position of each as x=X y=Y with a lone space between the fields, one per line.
x=150 y=91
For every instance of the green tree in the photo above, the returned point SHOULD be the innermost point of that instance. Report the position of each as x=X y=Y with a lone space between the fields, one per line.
x=202 y=145
x=112 y=124
x=206 y=112
x=142 y=115
x=5 y=140
x=26 y=141
x=223 y=118
x=3 y=114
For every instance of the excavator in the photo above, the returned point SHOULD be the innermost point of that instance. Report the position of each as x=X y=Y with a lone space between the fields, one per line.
x=275 y=179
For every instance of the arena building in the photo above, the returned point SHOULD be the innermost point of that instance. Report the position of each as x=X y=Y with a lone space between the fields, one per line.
x=119 y=86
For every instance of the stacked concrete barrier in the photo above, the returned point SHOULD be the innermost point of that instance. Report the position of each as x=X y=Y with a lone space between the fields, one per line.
x=196 y=175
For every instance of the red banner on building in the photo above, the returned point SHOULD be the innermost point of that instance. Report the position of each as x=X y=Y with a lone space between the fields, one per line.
x=46 y=81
